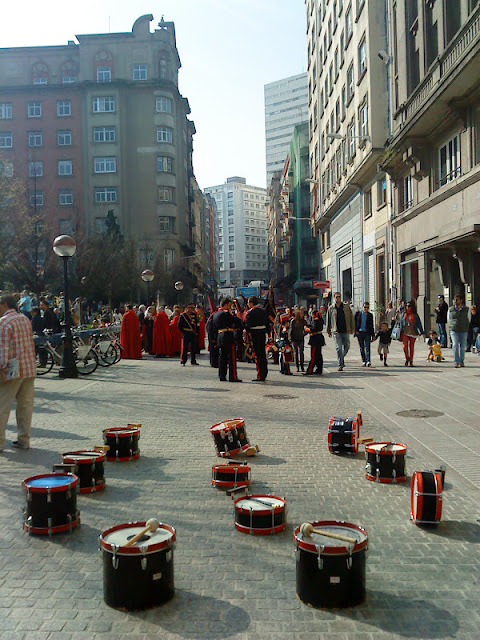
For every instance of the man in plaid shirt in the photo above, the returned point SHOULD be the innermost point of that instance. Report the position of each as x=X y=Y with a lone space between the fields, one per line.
x=17 y=370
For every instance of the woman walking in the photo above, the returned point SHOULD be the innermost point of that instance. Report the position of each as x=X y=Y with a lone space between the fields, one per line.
x=297 y=338
x=458 y=324
x=411 y=328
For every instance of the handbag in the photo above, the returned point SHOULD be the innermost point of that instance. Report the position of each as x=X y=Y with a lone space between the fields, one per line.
x=396 y=332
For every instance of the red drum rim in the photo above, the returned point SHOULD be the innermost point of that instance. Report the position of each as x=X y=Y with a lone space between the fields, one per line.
x=261 y=512
x=61 y=528
x=227 y=425
x=58 y=489
x=334 y=550
x=386 y=480
x=260 y=532
x=418 y=477
x=134 y=456
x=97 y=456
x=121 y=432
x=230 y=483
x=98 y=487
x=369 y=448
x=231 y=468
x=135 y=551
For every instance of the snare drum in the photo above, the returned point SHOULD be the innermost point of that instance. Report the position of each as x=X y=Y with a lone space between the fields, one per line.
x=385 y=461
x=123 y=443
x=89 y=467
x=260 y=514
x=230 y=437
x=330 y=572
x=140 y=576
x=51 y=503
x=227 y=476
x=426 y=500
x=343 y=435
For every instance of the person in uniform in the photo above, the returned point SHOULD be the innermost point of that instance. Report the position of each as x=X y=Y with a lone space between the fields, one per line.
x=188 y=325
x=224 y=327
x=212 y=342
x=316 y=342
x=257 y=325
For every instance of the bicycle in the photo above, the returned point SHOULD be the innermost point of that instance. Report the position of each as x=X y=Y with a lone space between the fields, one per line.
x=47 y=355
x=107 y=352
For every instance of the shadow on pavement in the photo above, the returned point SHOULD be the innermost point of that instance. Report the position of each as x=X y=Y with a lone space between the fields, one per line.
x=40 y=432
x=191 y=615
x=261 y=460
x=457 y=530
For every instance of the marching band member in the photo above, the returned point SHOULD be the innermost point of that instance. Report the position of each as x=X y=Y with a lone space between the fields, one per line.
x=257 y=325
x=224 y=327
x=188 y=325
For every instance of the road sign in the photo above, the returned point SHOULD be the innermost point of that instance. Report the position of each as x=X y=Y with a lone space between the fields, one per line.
x=247 y=291
x=321 y=284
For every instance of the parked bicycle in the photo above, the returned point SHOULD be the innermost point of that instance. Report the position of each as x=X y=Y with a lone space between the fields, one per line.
x=50 y=352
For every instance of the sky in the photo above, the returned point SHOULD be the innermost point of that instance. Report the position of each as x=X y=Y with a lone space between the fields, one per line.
x=229 y=50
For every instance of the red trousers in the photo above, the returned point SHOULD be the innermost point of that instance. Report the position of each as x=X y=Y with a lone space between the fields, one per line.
x=408 y=347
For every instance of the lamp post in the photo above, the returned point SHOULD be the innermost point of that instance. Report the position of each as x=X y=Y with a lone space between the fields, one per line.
x=148 y=276
x=65 y=247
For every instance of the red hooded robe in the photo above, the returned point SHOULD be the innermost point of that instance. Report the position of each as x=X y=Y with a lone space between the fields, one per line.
x=130 y=337
x=162 y=342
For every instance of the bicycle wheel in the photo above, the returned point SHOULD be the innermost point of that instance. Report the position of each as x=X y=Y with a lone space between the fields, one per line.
x=108 y=357
x=44 y=361
x=87 y=364
x=119 y=349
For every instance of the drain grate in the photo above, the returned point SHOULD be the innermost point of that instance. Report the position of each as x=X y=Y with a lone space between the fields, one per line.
x=419 y=413
x=279 y=396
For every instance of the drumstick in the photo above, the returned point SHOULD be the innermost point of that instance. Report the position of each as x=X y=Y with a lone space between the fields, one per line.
x=307 y=529
x=100 y=447
x=151 y=525
x=359 y=418
x=134 y=425
x=267 y=504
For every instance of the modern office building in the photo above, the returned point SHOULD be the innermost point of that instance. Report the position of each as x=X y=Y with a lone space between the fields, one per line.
x=286 y=105
x=242 y=228
x=99 y=124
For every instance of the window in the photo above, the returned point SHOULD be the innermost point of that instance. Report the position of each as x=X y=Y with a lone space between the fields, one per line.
x=105 y=194
x=344 y=101
x=139 y=71
x=367 y=204
x=104 y=74
x=35 y=139
x=163 y=105
x=351 y=139
x=36 y=199
x=64 y=108
x=450 y=161
x=166 y=224
x=165 y=164
x=66 y=227
x=166 y=194
x=34 y=109
x=6 y=140
x=65 y=197
x=360 y=4
x=382 y=192
x=168 y=259
x=363 y=120
x=64 y=138
x=35 y=169
x=362 y=58
x=348 y=24
x=105 y=165
x=104 y=134
x=407 y=192
x=337 y=115
x=65 y=168
x=40 y=80
x=164 y=134
x=101 y=105
x=350 y=83
x=69 y=79
x=330 y=76
x=5 y=110
x=342 y=48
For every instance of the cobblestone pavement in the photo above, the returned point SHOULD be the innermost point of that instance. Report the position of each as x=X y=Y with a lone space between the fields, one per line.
x=421 y=583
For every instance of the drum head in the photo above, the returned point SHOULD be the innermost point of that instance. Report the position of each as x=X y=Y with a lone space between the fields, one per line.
x=259 y=503
x=117 y=537
x=386 y=448
x=227 y=425
x=332 y=546
x=50 y=482
x=121 y=432
x=83 y=456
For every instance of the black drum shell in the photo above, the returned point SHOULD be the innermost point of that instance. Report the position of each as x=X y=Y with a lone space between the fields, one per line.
x=263 y=521
x=342 y=435
x=40 y=509
x=121 y=447
x=225 y=477
x=232 y=440
x=91 y=475
x=335 y=585
x=386 y=464
x=132 y=588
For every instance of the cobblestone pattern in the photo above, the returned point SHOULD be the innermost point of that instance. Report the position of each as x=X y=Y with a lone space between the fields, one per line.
x=420 y=583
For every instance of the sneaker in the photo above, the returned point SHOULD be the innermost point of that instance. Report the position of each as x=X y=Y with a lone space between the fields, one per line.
x=462 y=365
x=385 y=364
x=364 y=364
x=19 y=445
x=381 y=356
x=456 y=365
x=369 y=364
x=340 y=368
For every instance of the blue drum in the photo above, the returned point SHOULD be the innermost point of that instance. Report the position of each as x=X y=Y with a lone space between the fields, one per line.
x=51 y=503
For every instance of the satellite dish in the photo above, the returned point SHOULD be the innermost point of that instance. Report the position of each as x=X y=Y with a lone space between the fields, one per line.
x=179 y=285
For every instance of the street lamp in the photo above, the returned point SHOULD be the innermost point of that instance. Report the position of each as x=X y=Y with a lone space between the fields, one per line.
x=338 y=136
x=65 y=247
x=148 y=276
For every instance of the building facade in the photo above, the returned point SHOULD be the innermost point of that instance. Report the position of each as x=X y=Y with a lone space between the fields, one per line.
x=100 y=125
x=286 y=105
x=242 y=228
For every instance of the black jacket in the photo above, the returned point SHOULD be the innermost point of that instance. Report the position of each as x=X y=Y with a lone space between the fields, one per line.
x=358 y=321
x=316 y=336
x=50 y=321
x=257 y=317
x=224 y=327
x=442 y=311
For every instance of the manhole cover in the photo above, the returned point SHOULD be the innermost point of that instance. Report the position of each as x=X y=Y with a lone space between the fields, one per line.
x=419 y=413
x=279 y=396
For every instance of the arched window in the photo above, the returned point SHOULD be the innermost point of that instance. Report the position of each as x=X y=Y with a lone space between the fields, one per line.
x=68 y=72
x=103 y=66
x=40 y=73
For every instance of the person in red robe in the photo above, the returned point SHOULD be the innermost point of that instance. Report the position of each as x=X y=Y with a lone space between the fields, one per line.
x=130 y=337
x=162 y=341
x=201 y=327
x=175 y=331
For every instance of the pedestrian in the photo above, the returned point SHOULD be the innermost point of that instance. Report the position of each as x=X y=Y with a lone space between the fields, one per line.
x=458 y=324
x=223 y=333
x=37 y=322
x=148 y=322
x=384 y=336
x=390 y=314
x=141 y=316
x=257 y=326
x=212 y=341
x=201 y=327
x=25 y=303
x=188 y=325
x=50 y=318
x=340 y=324
x=285 y=352
x=17 y=371
x=175 y=331
x=296 y=334
x=365 y=332
x=411 y=328
x=473 y=328
x=441 y=311
x=316 y=342
x=117 y=317
x=130 y=338
x=162 y=337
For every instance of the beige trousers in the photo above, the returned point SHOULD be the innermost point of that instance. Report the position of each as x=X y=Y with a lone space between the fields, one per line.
x=21 y=390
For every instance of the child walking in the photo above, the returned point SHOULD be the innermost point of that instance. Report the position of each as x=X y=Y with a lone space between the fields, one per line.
x=384 y=336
